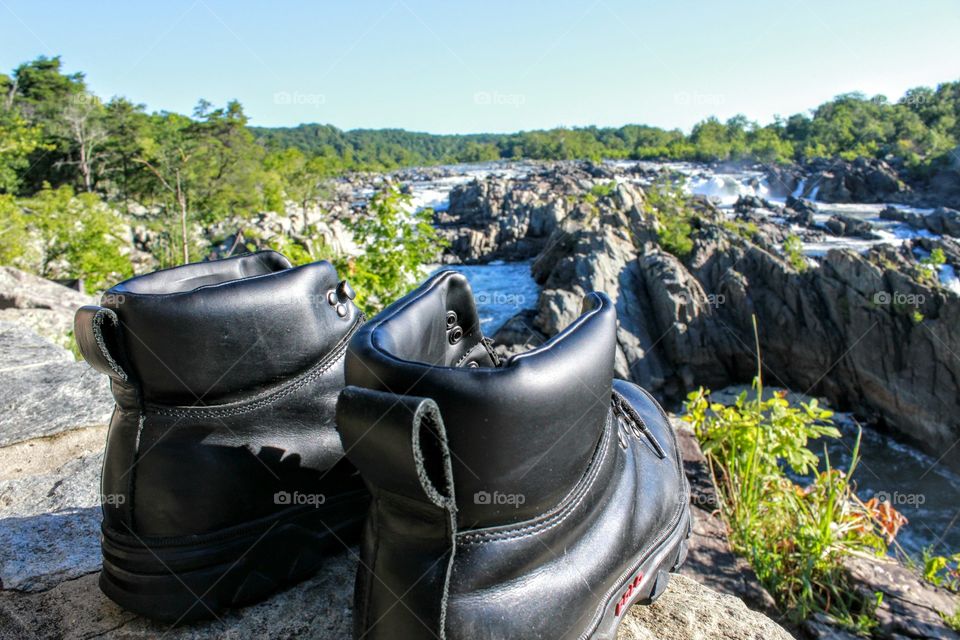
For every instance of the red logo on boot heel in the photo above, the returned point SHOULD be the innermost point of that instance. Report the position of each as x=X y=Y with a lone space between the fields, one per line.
x=625 y=598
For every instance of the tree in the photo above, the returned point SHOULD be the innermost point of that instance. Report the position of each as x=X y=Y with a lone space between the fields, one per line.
x=168 y=155
x=396 y=244
x=302 y=179
x=82 y=124
x=79 y=237
x=18 y=140
x=41 y=94
x=127 y=126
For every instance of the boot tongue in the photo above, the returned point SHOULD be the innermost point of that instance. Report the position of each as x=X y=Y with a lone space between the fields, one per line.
x=211 y=332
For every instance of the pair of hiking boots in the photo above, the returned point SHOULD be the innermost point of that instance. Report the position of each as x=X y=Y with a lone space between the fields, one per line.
x=260 y=425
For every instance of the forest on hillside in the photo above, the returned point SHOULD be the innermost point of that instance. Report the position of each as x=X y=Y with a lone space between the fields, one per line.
x=78 y=170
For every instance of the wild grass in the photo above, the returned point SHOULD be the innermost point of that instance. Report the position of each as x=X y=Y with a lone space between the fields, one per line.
x=794 y=533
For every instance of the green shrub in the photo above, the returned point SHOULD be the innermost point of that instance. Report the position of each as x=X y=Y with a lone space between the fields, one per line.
x=396 y=243
x=56 y=234
x=793 y=250
x=670 y=205
x=794 y=535
x=942 y=571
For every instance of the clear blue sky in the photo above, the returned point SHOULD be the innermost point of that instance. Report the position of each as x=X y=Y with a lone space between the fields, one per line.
x=492 y=65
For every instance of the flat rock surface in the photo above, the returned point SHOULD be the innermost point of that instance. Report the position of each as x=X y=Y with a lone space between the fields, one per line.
x=321 y=608
x=44 y=390
x=690 y=611
x=44 y=306
x=49 y=524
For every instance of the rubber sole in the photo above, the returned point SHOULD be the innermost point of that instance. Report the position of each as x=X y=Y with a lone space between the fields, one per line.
x=647 y=582
x=189 y=581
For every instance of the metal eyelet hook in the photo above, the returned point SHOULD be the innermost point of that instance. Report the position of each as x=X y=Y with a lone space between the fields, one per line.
x=451 y=319
x=339 y=297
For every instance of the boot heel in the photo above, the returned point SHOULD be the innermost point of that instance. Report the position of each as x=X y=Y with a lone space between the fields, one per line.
x=184 y=581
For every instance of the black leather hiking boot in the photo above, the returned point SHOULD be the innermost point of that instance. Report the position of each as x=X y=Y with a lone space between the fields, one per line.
x=224 y=478
x=532 y=498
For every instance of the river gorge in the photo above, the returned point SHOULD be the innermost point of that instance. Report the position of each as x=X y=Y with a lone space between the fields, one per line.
x=505 y=223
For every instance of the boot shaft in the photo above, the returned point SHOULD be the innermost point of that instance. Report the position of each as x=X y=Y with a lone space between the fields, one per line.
x=534 y=498
x=521 y=433
x=207 y=332
x=225 y=376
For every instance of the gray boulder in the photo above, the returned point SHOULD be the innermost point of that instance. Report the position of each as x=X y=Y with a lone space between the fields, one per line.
x=690 y=610
x=44 y=306
x=44 y=390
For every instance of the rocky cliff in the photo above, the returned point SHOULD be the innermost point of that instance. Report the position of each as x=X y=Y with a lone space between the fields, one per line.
x=873 y=332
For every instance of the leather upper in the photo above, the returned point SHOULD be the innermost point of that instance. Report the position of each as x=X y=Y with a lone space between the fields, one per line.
x=211 y=330
x=226 y=376
x=592 y=465
x=527 y=427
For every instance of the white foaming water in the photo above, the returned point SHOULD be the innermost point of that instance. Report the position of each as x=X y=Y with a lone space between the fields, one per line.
x=798 y=192
x=435 y=193
x=949 y=278
x=727 y=188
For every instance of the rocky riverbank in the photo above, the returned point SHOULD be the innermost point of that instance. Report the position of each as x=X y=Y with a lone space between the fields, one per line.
x=50 y=516
x=872 y=331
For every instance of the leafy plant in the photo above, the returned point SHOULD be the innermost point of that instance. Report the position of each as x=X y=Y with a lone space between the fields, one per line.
x=929 y=270
x=72 y=236
x=396 y=244
x=670 y=205
x=942 y=571
x=936 y=259
x=603 y=189
x=953 y=621
x=793 y=250
x=794 y=534
x=743 y=229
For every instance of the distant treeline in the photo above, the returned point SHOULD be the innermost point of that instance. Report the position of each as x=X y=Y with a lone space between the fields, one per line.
x=54 y=131
x=916 y=130
x=78 y=172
